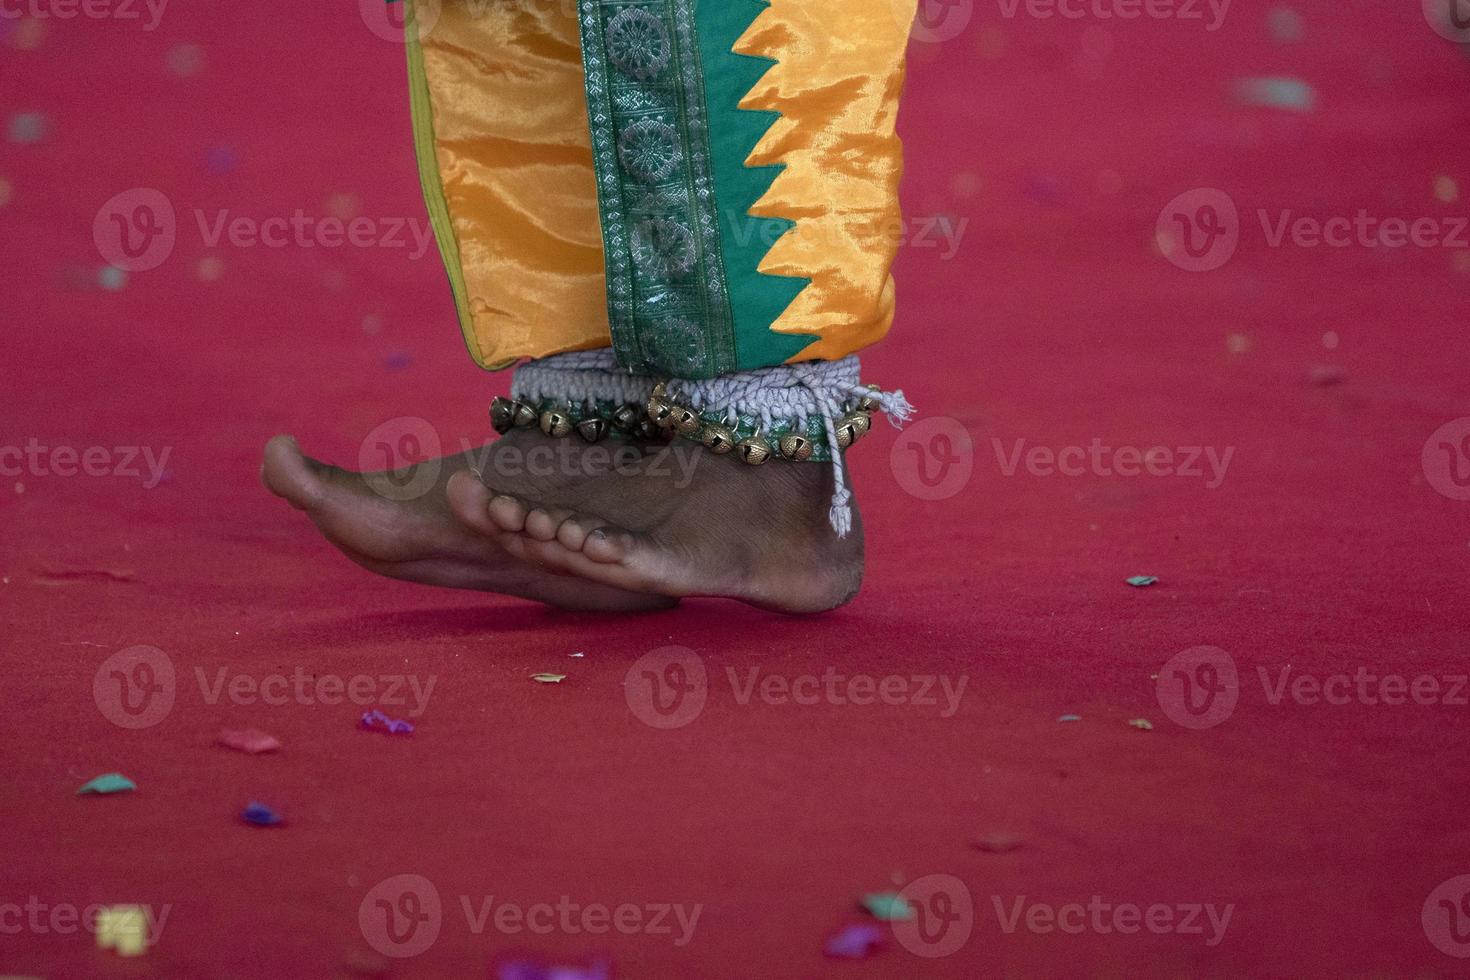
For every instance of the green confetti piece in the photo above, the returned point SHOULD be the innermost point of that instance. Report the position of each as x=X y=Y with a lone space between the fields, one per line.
x=1139 y=581
x=1142 y=724
x=548 y=678
x=109 y=782
x=888 y=907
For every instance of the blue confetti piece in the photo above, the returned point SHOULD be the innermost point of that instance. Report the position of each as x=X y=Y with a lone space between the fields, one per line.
x=854 y=942
x=1291 y=94
x=375 y=720
x=221 y=160
x=397 y=361
x=260 y=815
x=1070 y=718
x=111 y=278
x=27 y=127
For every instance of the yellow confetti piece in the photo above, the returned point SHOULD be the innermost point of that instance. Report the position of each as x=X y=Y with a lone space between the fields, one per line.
x=210 y=269
x=1446 y=189
x=548 y=678
x=123 y=929
x=1142 y=724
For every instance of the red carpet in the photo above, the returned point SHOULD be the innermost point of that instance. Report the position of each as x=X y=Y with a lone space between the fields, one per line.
x=1326 y=547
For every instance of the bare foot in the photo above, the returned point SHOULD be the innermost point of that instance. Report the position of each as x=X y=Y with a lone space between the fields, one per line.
x=420 y=539
x=681 y=521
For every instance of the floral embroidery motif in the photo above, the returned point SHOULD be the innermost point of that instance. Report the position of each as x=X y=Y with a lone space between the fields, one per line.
x=678 y=343
x=649 y=150
x=638 y=43
x=663 y=248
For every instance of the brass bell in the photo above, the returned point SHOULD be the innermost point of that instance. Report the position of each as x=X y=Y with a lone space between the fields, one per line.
x=649 y=432
x=594 y=429
x=852 y=427
x=754 y=450
x=627 y=417
x=717 y=439
x=502 y=414
x=686 y=420
x=556 y=423
x=660 y=412
x=867 y=404
x=525 y=415
x=796 y=447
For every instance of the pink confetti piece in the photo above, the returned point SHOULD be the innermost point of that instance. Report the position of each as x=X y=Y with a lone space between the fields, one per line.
x=251 y=740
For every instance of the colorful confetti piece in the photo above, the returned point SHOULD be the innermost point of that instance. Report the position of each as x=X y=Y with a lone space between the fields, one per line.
x=855 y=942
x=887 y=906
x=999 y=842
x=1141 y=581
x=548 y=678
x=1291 y=94
x=108 y=783
x=250 y=740
x=1142 y=724
x=259 y=815
x=375 y=720
x=1070 y=718
x=123 y=929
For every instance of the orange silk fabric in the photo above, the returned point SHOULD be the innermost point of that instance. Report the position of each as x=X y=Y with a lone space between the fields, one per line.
x=514 y=159
x=838 y=74
x=515 y=162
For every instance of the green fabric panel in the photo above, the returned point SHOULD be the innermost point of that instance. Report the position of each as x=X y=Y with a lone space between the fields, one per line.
x=756 y=299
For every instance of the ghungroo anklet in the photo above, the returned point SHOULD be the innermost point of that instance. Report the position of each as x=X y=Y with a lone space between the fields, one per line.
x=798 y=412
